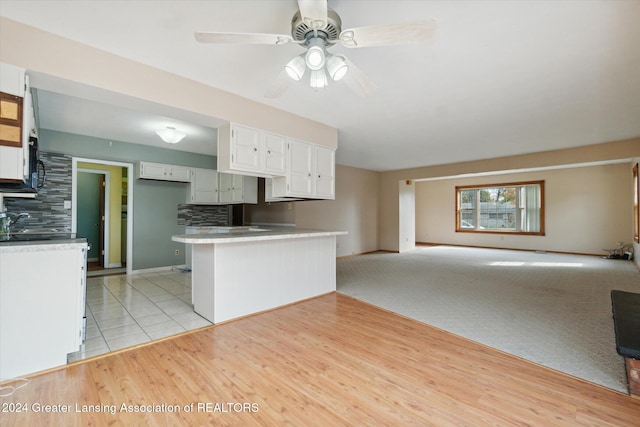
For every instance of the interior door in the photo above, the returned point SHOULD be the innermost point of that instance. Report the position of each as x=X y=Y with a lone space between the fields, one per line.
x=101 y=224
x=88 y=211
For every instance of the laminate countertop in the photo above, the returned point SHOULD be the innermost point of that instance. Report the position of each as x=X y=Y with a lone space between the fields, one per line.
x=251 y=234
x=30 y=242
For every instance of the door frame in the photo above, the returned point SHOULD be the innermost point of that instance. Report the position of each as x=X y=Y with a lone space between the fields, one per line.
x=106 y=201
x=74 y=200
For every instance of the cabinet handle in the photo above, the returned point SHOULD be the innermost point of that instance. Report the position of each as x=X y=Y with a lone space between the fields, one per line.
x=268 y=151
x=255 y=149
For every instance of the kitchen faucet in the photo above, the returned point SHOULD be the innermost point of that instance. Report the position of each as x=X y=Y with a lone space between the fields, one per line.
x=15 y=219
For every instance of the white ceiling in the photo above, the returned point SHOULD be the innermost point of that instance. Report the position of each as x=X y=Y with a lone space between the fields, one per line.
x=500 y=78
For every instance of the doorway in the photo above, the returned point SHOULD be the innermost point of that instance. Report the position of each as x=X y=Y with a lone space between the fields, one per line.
x=103 y=217
x=92 y=212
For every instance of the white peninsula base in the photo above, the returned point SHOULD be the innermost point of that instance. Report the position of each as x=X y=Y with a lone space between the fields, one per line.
x=242 y=274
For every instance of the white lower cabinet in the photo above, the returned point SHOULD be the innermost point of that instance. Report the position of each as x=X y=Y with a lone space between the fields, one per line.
x=42 y=301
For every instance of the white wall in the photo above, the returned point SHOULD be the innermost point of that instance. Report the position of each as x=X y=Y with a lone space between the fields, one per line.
x=636 y=245
x=388 y=219
x=586 y=210
x=66 y=66
x=355 y=210
x=407 y=215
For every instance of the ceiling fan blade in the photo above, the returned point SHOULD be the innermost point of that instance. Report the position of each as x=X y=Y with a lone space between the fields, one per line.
x=242 y=38
x=358 y=81
x=391 y=34
x=313 y=12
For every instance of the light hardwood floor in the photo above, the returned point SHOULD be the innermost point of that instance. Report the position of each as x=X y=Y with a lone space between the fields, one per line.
x=331 y=360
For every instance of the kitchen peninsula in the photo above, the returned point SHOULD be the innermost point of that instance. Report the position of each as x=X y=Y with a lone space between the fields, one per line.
x=245 y=270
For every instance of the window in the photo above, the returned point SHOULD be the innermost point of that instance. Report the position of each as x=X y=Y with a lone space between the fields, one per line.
x=501 y=208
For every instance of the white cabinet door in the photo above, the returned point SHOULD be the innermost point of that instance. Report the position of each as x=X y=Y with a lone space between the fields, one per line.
x=11 y=163
x=179 y=173
x=204 y=187
x=310 y=172
x=324 y=173
x=237 y=188
x=251 y=151
x=230 y=187
x=153 y=171
x=12 y=79
x=274 y=149
x=162 y=172
x=245 y=148
x=300 y=174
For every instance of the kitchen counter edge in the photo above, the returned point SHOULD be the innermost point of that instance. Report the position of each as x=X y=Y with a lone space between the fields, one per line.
x=253 y=236
x=40 y=245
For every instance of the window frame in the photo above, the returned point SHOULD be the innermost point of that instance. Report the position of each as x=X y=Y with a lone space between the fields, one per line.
x=460 y=229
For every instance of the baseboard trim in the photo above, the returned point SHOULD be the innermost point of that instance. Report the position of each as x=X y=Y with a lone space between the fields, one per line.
x=509 y=249
x=168 y=268
x=367 y=253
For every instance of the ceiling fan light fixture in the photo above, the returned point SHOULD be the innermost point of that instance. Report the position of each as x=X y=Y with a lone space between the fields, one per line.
x=315 y=56
x=337 y=67
x=296 y=68
x=171 y=135
x=318 y=79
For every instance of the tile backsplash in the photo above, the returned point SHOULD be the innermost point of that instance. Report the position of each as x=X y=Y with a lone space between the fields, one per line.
x=201 y=215
x=48 y=209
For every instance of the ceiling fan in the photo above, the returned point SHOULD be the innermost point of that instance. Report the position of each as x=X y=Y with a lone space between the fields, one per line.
x=316 y=28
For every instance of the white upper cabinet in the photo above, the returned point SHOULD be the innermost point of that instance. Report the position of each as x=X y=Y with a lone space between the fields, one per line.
x=300 y=177
x=164 y=172
x=275 y=153
x=204 y=187
x=311 y=172
x=237 y=188
x=11 y=163
x=12 y=79
x=325 y=173
x=298 y=169
x=251 y=151
x=17 y=123
x=246 y=146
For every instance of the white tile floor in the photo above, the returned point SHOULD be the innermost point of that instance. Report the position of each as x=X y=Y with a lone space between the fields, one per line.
x=124 y=311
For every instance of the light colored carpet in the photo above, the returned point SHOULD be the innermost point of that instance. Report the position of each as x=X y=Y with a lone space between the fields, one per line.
x=551 y=309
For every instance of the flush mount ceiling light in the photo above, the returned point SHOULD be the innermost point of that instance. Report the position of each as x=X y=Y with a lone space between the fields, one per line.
x=171 y=135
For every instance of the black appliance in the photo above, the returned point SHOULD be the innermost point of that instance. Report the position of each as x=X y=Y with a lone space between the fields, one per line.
x=36 y=177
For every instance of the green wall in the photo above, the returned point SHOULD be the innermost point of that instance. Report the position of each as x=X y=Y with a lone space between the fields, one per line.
x=155 y=203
